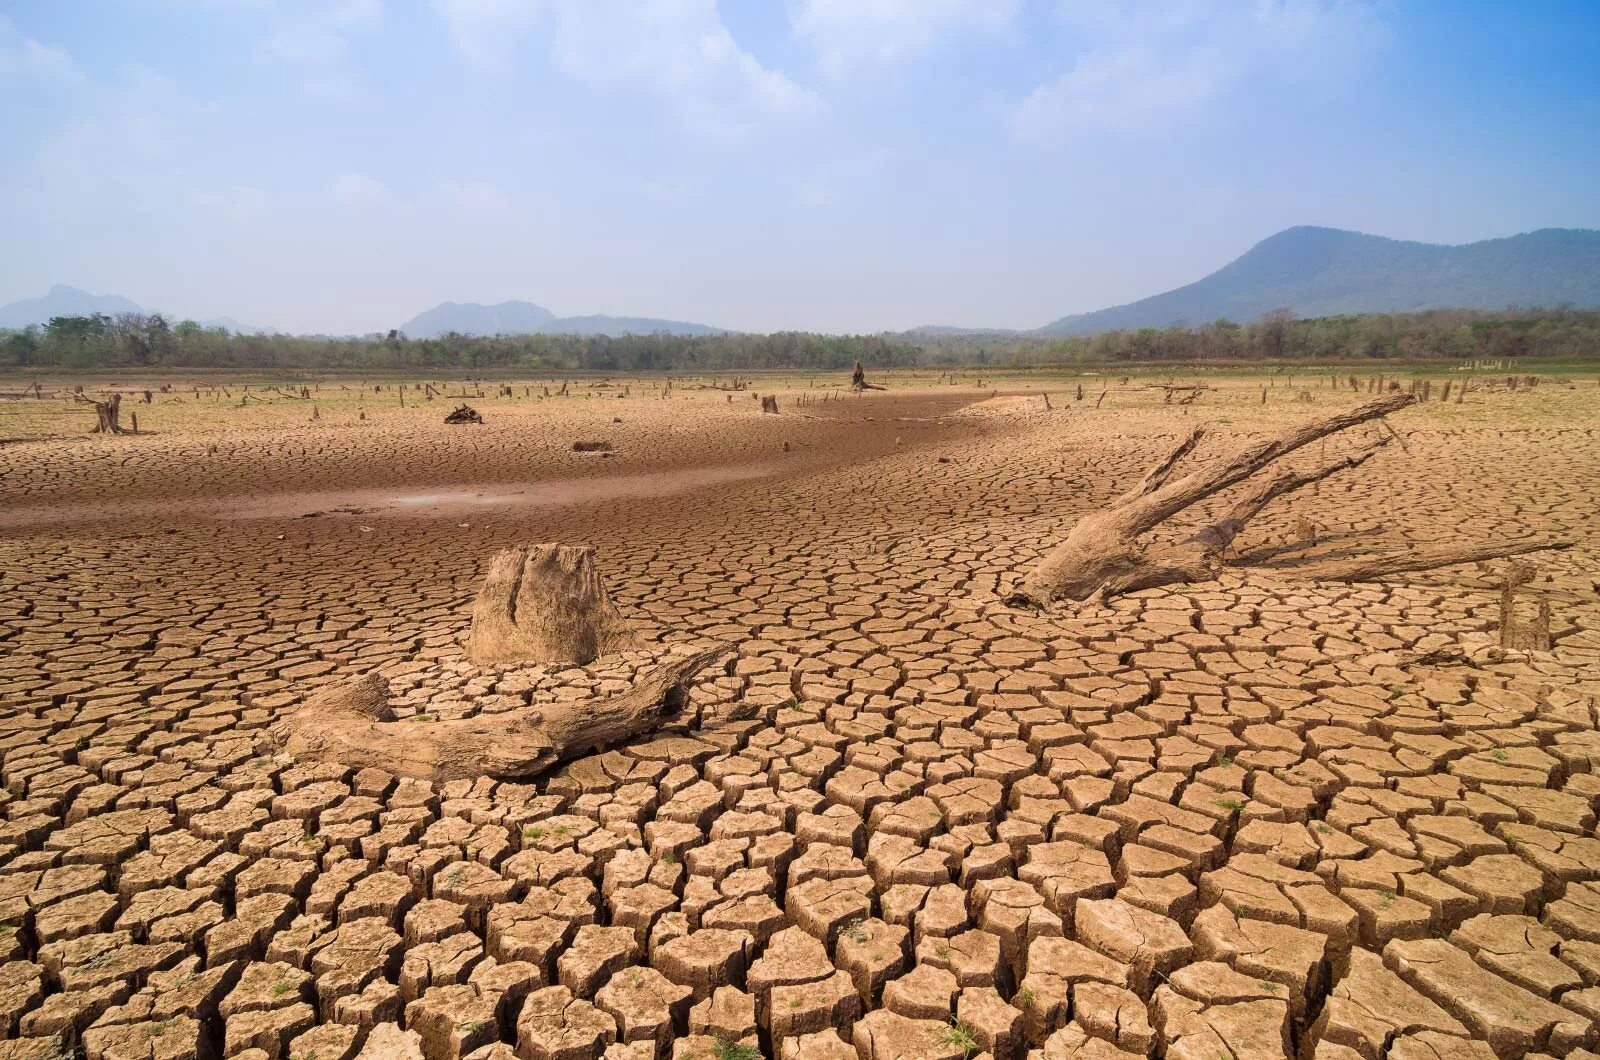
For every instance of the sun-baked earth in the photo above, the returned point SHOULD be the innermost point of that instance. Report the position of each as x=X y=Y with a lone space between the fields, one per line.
x=1252 y=818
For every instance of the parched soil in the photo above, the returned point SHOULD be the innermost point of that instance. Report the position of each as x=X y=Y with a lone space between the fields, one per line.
x=1258 y=817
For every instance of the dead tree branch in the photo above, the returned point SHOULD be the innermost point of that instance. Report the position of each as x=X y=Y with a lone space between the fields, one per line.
x=351 y=724
x=1101 y=553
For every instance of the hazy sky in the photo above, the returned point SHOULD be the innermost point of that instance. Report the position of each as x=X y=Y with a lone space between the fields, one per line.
x=761 y=164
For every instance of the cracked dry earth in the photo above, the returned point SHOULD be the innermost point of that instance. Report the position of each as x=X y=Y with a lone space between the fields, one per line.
x=1245 y=819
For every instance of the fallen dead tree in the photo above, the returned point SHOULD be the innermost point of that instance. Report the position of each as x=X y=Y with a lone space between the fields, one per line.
x=351 y=724
x=1102 y=556
x=464 y=414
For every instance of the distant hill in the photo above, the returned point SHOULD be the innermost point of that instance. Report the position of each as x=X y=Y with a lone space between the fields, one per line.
x=63 y=301
x=525 y=318
x=1327 y=272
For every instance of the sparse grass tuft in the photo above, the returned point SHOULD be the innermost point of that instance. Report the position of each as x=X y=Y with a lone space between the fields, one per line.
x=726 y=1050
x=959 y=1035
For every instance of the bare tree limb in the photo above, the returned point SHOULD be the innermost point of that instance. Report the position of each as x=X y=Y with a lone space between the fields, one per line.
x=1102 y=550
x=1370 y=568
x=351 y=724
x=1159 y=474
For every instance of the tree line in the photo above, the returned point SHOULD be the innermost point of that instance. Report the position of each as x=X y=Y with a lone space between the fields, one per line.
x=151 y=341
x=1443 y=334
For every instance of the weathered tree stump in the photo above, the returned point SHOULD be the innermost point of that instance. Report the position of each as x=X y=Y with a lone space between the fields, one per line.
x=545 y=604
x=351 y=724
x=464 y=414
x=1515 y=633
x=858 y=380
x=107 y=414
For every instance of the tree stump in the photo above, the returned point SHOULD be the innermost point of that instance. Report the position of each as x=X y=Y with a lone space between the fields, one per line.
x=545 y=604
x=107 y=414
x=1515 y=633
x=858 y=380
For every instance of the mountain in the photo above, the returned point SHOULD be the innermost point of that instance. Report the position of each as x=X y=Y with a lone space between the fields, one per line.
x=62 y=301
x=470 y=318
x=609 y=325
x=525 y=318
x=1328 y=271
x=233 y=326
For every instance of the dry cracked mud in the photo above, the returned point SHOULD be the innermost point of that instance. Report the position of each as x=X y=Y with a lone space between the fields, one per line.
x=1254 y=818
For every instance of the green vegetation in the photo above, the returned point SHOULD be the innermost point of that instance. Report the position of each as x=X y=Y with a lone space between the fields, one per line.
x=140 y=340
x=726 y=1050
x=960 y=1036
x=137 y=340
x=1454 y=335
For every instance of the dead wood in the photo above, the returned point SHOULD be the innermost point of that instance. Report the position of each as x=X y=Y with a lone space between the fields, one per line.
x=1200 y=557
x=1535 y=635
x=1370 y=568
x=1102 y=554
x=464 y=414
x=858 y=380
x=107 y=414
x=351 y=724
x=545 y=604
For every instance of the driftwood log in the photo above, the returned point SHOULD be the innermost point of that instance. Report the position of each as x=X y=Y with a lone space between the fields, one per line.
x=545 y=604
x=1101 y=555
x=351 y=724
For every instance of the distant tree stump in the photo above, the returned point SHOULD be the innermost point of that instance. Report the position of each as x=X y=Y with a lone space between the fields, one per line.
x=858 y=380
x=545 y=604
x=107 y=414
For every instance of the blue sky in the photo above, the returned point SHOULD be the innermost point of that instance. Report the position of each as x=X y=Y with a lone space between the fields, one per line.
x=761 y=164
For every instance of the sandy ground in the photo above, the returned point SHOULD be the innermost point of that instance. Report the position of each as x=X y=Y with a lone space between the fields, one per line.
x=1228 y=820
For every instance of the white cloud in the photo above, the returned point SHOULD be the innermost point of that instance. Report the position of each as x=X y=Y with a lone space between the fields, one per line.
x=678 y=51
x=848 y=34
x=24 y=57
x=487 y=32
x=358 y=191
x=322 y=38
x=1144 y=62
x=236 y=203
x=475 y=198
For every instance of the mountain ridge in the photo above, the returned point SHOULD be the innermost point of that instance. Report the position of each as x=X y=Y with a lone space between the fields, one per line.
x=1315 y=271
x=516 y=317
